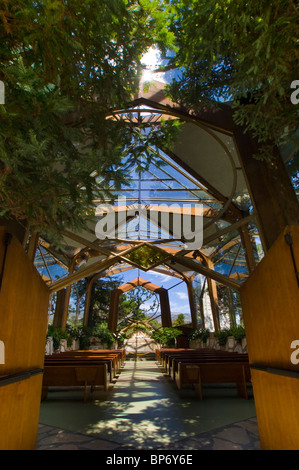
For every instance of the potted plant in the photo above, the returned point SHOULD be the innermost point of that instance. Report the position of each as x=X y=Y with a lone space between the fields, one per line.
x=222 y=337
x=240 y=336
x=166 y=336
x=200 y=337
x=238 y=332
x=104 y=335
x=120 y=338
x=59 y=336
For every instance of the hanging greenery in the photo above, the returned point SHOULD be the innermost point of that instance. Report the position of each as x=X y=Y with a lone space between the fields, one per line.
x=234 y=52
x=65 y=66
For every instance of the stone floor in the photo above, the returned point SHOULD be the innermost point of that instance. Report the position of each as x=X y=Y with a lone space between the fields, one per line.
x=143 y=410
x=239 y=436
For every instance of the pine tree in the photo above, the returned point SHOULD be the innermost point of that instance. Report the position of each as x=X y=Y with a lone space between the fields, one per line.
x=65 y=66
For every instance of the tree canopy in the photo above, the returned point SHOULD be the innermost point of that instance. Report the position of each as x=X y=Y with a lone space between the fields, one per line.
x=243 y=52
x=65 y=66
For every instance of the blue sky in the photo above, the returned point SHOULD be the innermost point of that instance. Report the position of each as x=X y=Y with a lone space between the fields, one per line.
x=178 y=295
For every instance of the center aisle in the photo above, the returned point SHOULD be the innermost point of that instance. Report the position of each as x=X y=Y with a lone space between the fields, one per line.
x=144 y=410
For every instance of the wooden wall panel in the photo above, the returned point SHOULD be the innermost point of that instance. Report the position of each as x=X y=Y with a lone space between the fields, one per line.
x=276 y=401
x=19 y=414
x=270 y=302
x=24 y=300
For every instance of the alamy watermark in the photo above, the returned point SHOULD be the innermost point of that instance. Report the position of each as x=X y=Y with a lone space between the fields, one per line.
x=161 y=221
x=295 y=94
x=295 y=354
x=2 y=92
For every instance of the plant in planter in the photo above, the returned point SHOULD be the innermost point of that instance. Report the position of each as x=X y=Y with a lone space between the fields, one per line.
x=166 y=336
x=104 y=335
x=202 y=334
x=83 y=334
x=222 y=336
x=120 y=339
x=205 y=335
x=58 y=334
x=238 y=332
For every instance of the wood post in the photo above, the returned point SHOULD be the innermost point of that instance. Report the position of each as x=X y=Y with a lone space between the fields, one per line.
x=88 y=301
x=165 y=308
x=192 y=303
x=67 y=298
x=212 y=288
x=272 y=194
x=113 y=310
x=246 y=243
x=59 y=308
x=32 y=246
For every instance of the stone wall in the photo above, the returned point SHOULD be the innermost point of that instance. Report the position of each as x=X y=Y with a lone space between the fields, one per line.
x=231 y=344
x=63 y=346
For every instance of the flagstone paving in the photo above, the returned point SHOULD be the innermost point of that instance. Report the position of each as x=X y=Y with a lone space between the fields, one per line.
x=144 y=410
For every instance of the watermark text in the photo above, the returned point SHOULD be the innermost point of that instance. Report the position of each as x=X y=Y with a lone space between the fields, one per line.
x=177 y=222
x=295 y=94
x=295 y=354
x=2 y=92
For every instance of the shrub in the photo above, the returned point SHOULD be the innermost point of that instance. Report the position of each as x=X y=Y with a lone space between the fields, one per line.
x=57 y=334
x=166 y=336
x=238 y=332
x=222 y=336
x=103 y=334
x=120 y=338
x=202 y=333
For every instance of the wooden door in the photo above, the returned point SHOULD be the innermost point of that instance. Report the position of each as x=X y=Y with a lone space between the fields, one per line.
x=24 y=300
x=270 y=301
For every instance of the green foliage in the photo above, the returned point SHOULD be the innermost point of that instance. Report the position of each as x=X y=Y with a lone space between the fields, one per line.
x=146 y=256
x=166 y=336
x=201 y=333
x=65 y=65
x=238 y=332
x=137 y=305
x=100 y=299
x=81 y=333
x=180 y=320
x=222 y=336
x=58 y=334
x=140 y=327
x=103 y=334
x=120 y=338
x=85 y=333
x=233 y=51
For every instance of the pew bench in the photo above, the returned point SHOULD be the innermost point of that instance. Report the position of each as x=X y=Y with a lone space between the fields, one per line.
x=118 y=356
x=83 y=362
x=173 y=363
x=211 y=373
x=74 y=375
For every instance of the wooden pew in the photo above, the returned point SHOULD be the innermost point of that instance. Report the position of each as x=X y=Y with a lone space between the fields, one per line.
x=119 y=354
x=76 y=374
x=217 y=372
x=169 y=357
x=113 y=359
x=174 y=361
x=111 y=372
x=82 y=367
x=166 y=354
